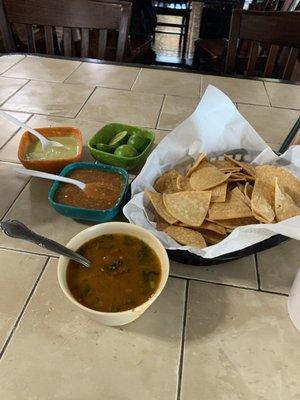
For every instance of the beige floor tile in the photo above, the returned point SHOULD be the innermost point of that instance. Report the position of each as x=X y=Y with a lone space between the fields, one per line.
x=238 y=273
x=8 y=61
x=281 y=95
x=274 y=146
x=59 y=99
x=272 y=124
x=32 y=208
x=168 y=82
x=175 y=110
x=11 y=185
x=19 y=272
x=87 y=128
x=240 y=345
x=110 y=76
x=277 y=267
x=7 y=129
x=238 y=90
x=112 y=105
x=9 y=86
x=159 y=135
x=87 y=360
x=43 y=69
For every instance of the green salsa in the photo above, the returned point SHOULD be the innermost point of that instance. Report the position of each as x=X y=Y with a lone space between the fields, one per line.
x=70 y=149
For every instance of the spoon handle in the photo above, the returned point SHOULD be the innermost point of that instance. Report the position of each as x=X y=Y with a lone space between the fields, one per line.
x=45 y=142
x=23 y=125
x=53 y=177
x=18 y=230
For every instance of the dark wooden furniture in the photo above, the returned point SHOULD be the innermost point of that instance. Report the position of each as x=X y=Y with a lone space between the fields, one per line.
x=85 y=15
x=278 y=29
x=212 y=52
x=180 y=8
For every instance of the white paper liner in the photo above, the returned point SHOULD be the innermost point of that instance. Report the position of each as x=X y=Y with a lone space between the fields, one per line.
x=215 y=127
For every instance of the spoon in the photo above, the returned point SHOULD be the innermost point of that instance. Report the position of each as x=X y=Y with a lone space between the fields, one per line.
x=46 y=175
x=18 y=230
x=45 y=142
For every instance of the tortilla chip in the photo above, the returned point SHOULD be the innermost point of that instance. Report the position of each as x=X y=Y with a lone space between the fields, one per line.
x=248 y=168
x=212 y=226
x=161 y=224
x=233 y=207
x=189 y=207
x=195 y=166
x=186 y=236
x=224 y=164
x=207 y=177
x=167 y=182
x=285 y=206
x=230 y=169
x=248 y=189
x=236 y=222
x=237 y=192
x=218 y=193
x=157 y=202
x=289 y=183
x=183 y=183
x=206 y=225
x=262 y=201
x=212 y=237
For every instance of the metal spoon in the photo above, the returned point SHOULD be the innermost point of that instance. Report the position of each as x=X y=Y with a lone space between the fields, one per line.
x=18 y=230
x=45 y=142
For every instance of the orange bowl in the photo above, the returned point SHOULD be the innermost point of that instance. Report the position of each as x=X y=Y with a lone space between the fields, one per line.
x=55 y=165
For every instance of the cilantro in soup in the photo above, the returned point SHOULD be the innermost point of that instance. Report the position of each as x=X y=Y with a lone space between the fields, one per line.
x=124 y=273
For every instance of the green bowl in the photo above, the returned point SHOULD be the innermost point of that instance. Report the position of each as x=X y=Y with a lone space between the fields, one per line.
x=105 y=134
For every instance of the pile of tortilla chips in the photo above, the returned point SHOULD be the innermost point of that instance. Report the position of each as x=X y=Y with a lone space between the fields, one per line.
x=217 y=196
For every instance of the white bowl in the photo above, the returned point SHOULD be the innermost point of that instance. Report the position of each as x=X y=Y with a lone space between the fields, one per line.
x=123 y=317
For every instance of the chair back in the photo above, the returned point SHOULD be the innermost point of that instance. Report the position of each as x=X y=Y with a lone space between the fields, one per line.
x=278 y=29
x=84 y=15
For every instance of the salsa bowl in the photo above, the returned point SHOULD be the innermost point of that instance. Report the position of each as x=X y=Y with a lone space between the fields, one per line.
x=123 y=317
x=88 y=214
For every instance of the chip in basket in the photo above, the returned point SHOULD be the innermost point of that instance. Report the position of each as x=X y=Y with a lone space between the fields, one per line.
x=217 y=196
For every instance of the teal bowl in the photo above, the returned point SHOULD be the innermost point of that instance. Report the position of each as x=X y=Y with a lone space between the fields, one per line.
x=105 y=134
x=87 y=214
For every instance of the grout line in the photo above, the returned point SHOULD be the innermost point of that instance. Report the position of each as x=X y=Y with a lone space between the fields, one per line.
x=13 y=203
x=160 y=111
x=226 y=284
x=3 y=72
x=257 y=271
x=87 y=99
x=31 y=252
x=267 y=94
x=16 y=132
x=9 y=97
x=23 y=310
x=64 y=81
x=182 y=344
x=136 y=78
x=36 y=113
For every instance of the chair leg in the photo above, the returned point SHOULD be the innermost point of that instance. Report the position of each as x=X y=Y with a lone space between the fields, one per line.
x=185 y=38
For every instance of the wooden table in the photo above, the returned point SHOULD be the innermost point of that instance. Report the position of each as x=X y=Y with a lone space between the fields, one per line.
x=217 y=333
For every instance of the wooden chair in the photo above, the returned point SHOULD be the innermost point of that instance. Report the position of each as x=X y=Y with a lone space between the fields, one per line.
x=138 y=44
x=180 y=8
x=212 y=52
x=85 y=15
x=277 y=29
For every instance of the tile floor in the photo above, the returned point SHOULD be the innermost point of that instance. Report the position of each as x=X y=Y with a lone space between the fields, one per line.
x=219 y=332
